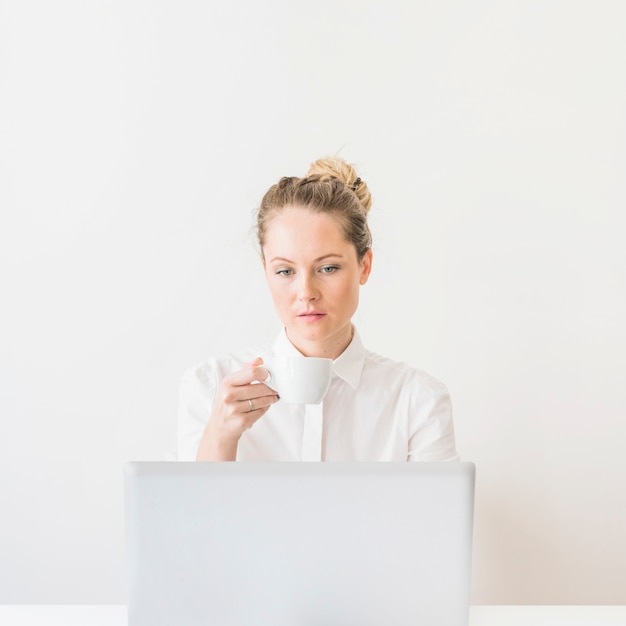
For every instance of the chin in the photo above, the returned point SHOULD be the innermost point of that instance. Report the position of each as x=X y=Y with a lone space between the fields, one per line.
x=309 y=334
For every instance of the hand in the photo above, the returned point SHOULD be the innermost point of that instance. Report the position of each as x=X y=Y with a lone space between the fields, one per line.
x=239 y=403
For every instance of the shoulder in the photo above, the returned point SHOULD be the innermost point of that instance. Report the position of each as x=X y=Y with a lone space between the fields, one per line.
x=390 y=372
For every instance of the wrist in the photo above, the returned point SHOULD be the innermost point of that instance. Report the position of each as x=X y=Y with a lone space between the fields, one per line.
x=215 y=446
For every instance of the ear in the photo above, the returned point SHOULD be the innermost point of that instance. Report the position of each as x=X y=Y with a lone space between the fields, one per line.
x=366 y=267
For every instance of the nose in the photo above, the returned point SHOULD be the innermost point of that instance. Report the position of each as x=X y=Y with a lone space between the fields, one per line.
x=307 y=288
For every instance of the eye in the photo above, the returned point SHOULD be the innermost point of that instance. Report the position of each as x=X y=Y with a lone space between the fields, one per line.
x=285 y=271
x=329 y=269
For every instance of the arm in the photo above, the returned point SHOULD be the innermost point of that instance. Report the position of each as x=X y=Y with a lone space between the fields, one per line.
x=433 y=438
x=239 y=403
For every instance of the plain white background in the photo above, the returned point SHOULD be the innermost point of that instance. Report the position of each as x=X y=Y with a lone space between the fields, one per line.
x=136 y=140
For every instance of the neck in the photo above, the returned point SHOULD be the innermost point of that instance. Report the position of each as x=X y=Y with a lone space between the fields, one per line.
x=330 y=349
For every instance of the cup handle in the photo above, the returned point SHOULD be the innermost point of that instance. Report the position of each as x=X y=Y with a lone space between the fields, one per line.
x=269 y=376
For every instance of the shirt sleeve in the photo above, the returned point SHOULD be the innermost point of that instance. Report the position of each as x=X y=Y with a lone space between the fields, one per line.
x=196 y=395
x=432 y=437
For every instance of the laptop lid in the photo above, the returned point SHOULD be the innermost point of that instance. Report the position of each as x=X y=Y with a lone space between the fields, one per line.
x=298 y=544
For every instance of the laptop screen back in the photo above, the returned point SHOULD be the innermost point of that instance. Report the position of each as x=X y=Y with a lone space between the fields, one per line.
x=298 y=544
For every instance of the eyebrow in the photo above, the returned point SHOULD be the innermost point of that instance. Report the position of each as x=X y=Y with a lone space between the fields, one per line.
x=319 y=258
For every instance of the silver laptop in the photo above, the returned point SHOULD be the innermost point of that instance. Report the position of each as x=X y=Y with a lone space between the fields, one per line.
x=298 y=544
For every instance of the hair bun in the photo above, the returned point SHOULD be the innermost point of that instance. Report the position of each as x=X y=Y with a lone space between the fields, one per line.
x=335 y=167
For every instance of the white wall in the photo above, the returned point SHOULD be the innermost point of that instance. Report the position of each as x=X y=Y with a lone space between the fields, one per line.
x=137 y=137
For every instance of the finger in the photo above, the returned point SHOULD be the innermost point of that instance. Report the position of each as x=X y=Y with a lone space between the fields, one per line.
x=250 y=372
x=261 y=373
x=255 y=390
x=258 y=404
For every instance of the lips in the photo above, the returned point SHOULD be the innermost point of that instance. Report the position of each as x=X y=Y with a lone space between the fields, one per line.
x=311 y=316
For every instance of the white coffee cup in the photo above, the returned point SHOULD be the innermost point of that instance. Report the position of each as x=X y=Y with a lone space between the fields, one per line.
x=299 y=380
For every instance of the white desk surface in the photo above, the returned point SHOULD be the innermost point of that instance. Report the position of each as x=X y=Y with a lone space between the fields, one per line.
x=115 y=615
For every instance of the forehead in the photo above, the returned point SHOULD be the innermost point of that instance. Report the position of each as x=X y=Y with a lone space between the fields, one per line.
x=297 y=229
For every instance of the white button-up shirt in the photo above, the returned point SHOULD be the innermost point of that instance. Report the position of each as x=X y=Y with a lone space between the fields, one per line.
x=375 y=409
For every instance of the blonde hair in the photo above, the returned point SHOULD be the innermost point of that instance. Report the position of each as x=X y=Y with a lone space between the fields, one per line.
x=331 y=186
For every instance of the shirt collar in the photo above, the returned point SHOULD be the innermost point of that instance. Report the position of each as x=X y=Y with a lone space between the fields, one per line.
x=348 y=365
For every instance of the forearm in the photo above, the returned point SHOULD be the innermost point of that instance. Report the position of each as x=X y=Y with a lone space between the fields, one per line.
x=212 y=448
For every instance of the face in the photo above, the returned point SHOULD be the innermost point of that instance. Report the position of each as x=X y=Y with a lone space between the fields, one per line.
x=314 y=276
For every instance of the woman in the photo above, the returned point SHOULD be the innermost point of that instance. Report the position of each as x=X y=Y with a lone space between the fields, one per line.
x=316 y=251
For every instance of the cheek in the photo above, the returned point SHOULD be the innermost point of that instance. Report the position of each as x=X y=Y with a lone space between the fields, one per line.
x=279 y=292
x=356 y=292
x=349 y=293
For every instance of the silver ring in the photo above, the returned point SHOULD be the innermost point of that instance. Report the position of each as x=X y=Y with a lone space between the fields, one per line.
x=251 y=405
